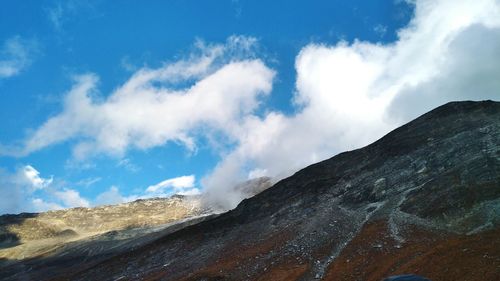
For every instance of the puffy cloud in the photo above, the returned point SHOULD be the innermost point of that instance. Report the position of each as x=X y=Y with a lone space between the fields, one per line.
x=472 y=74
x=32 y=176
x=25 y=190
x=348 y=95
x=222 y=84
x=110 y=197
x=17 y=189
x=177 y=184
x=71 y=198
x=15 y=55
x=39 y=205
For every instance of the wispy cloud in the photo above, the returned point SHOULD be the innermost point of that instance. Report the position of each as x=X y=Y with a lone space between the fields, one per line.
x=88 y=181
x=238 y=9
x=222 y=82
x=62 y=12
x=380 y=30
x=55 y=15
x=127 y=164
x=176 y=184
x=16 y=54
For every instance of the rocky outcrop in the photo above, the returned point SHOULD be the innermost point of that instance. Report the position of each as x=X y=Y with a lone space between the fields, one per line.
x=424 y=199
x=51 y=233
x=140 y=213
x=80 y=235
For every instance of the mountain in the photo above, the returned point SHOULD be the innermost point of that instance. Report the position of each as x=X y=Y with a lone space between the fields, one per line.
x=78 y=231
x=83 y=234
x=423 y=199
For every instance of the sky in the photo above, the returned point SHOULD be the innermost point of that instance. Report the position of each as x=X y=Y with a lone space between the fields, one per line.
x=103 y=103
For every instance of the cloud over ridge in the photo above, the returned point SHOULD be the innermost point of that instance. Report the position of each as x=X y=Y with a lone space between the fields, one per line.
x=347 y=95
x=350 y=94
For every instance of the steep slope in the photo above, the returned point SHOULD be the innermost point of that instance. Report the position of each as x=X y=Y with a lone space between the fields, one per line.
x=423 y=199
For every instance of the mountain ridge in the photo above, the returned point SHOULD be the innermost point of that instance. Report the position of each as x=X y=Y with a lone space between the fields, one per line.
x=433 y=182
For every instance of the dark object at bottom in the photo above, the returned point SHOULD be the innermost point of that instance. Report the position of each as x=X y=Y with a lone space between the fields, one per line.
x=410 y=277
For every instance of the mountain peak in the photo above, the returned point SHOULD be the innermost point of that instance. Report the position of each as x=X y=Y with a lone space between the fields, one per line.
x=422 y=198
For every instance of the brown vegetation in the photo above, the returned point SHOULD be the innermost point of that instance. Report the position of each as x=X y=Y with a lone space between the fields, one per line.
x=373 y=255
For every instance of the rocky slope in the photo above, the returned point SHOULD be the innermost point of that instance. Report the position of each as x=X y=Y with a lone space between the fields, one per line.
x=30 y=234
x=81 y=234
x=28 y=226
x=423 y=199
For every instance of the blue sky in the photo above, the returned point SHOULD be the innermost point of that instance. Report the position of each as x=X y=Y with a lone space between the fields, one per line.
x=104 y=103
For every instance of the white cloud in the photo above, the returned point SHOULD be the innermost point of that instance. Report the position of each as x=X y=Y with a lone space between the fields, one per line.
x=380 y=30
x=71 y=198
x=32 y=176
x=39 y=205
x=176 y=184
x=25 y=190
x=62 y=12
x=88 y=181
x=257 y=173
x=189 y=192
x=224 y=85
x=16 y=54
x=128 y=165
x=18 y=187
x=55 y=15
x=184 y=185
x=348 y=95
x=110 y=197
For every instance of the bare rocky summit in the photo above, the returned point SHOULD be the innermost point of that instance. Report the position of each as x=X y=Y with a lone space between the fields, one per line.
x=29 y=235
x=142 y=212
x=80 y=235
x=424 y=199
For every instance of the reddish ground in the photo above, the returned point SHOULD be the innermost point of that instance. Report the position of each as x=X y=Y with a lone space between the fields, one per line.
x=293 y=272
x=373 y=255
x=237 y=259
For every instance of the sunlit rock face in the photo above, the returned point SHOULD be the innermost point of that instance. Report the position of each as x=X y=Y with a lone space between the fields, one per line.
x=147 y=212
x=104 y=230
x=30 y=234
x=424 y=199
